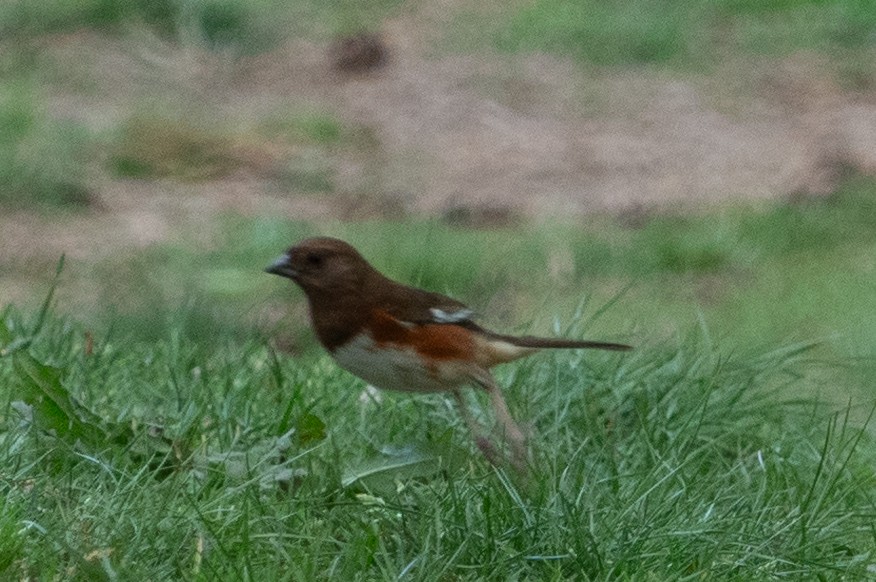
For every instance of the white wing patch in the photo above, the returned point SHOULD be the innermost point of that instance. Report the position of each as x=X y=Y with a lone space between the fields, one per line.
x=441 y=316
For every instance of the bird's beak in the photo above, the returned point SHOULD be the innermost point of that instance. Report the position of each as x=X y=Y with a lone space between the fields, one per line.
x=282 y=267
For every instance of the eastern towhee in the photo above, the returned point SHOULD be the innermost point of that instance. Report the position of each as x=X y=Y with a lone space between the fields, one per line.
x=402 y=338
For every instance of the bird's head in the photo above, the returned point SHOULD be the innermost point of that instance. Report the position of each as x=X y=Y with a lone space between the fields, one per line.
x=322 y=265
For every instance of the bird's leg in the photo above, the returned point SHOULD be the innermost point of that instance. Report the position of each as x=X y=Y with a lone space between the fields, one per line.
x=509 y=428
x=483 y=442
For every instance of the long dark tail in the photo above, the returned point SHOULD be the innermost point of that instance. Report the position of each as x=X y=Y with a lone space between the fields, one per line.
x=529 y=341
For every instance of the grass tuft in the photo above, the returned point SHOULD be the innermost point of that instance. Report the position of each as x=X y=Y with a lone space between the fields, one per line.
x=154 y=146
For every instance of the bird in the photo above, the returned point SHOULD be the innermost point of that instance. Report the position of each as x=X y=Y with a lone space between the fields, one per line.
x=398 y=337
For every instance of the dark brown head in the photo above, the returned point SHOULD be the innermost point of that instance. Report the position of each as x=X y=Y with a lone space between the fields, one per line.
x=323 y=266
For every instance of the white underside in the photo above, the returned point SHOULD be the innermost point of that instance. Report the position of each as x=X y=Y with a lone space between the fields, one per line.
x=398 y=369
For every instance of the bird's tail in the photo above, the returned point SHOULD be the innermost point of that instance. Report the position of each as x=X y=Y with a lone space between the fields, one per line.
x=529 y=341
x=498 y=349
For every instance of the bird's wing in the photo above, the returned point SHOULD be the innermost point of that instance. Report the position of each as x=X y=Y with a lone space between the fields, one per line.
x=411 y=306
x=421 y=307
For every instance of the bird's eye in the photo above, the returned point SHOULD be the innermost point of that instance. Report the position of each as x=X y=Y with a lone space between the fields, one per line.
x=313 y=259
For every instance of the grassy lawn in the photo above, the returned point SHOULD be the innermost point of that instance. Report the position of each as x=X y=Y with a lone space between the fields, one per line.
x=170 y=442
x=167 y=414
x=170 y=460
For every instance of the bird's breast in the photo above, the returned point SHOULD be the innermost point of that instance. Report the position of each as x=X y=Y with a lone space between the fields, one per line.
x=394 y=366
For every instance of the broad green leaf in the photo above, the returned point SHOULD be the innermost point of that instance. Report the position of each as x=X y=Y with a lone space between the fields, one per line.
x=53 y=408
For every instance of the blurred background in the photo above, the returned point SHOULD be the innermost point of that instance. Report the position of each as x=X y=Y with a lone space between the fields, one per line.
x=642 y=168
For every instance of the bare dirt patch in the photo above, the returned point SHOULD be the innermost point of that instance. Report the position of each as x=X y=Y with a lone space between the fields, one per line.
x=535 y=134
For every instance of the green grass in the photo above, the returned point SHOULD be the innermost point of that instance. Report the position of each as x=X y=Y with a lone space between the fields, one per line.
x=295 y=149
x=317 y=128
x=674 y=32
x=174 y=460
x=236 y=26
x=601 y=32
x=154 y=146
x=217 y=24
x=28 y=18
x=158 y=436
x=164 y=439
x=41 y=159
